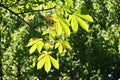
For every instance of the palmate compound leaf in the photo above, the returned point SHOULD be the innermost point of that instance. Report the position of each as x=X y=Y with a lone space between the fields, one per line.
x=82 y=23
x=47 y=65
x=35 y=44
x=61 y=24
x=54 y=62
x=45 y=60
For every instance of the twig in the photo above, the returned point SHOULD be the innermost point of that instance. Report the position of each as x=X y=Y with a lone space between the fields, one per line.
x=17 y=14
x=14 y=3
x=36 y=10
x=2 y=5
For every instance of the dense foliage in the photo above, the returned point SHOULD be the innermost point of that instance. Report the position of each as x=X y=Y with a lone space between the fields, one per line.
x=55 y=34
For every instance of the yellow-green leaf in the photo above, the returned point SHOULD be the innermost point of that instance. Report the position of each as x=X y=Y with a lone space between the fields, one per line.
x=65 y=28
x=48 y=46
x=60 y=48
x=52 y=33
x=69 y=2
x=74 y=23
x=86 y=17
x=40 y=63
x=58 y=28
x=32 y=41
x=41 y=56
x=47 y=64
x=54 y=62
x=57 y=45
x=70 y=17
x=45 y=32
x=67 y=44
x=82 y=23
x=33 y=48
x=39 y=46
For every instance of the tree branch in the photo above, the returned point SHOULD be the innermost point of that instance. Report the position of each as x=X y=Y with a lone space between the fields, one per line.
x=2 y=5
x=37 y=10
x=17 y=14
x=14 y=3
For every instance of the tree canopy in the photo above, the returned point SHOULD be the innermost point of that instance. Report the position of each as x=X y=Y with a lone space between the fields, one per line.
x=60 y=39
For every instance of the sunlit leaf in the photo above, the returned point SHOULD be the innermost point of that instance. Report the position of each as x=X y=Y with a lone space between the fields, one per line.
x=70 y=17
x=47 y=64
x=39 y=46
x=67 y=44
x=82 y=23
x=41 y=56
x=86 y=17
x=41 y=62
x=32 y=41
x=74 y=23
x=33 y=48
x=45 y=32
x=65 y=28
x=52 y=33
x=48 y=46
x=69 y=2
x=54 y=62
x=57 y=45
x=61 y=24
x=60 y=48
x=58 y=28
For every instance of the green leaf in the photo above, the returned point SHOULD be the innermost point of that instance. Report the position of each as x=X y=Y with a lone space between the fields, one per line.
x=45 y=32
x=54 y=62
x=41 y=62
x=41 y=56
x=61 y=23
x=40 y=46
x=70 y=17
x=52 y=33
x=74 y=23
x=58 y=28
x=69 y=2
x=32 y=41
x=66 y=43
x=86 y=17
x=47 y=64
x=33 y=48
x=60 y=48
x=48 y=46
x=57 y=45
x=82 y=23
x=65 y=28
